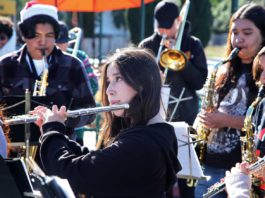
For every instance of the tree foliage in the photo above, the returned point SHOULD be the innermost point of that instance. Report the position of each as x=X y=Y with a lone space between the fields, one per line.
x=133 y=20
x=222 y=11
x=119 y=18
x=221 y=14
x=88 y=23
x=201 y=19
x=199 y=15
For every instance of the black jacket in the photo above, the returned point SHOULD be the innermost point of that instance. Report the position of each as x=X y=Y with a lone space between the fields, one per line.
x=192 y=77
x=259 y=127
x=67 y=85
x=141 y=162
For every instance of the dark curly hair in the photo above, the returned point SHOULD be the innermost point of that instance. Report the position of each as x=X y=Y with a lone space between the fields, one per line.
x=6 y=26
x=27 y=27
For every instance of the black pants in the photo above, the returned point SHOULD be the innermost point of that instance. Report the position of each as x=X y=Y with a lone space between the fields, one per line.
x=184 y=190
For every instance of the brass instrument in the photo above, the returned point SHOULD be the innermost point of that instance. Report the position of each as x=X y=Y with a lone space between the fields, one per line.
x=75 y=35
x=30 y=150
x=172 y=59
x=208 y=103
x=247 y=146
x=175 y=59
x=44 y=185
x=41 y=85
x=23 y=119
x=164 y=36
x=220 y=186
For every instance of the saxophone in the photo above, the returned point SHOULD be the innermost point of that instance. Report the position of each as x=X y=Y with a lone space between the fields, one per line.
x=248 y=150
x=247 y=146
x=208 y=104
x=41 y=85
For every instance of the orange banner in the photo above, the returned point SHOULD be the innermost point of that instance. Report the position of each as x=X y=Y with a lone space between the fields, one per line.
x=93 y=5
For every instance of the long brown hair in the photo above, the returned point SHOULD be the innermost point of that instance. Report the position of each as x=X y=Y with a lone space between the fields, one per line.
x=256 y=14
x=139 y=69
x=257 y=68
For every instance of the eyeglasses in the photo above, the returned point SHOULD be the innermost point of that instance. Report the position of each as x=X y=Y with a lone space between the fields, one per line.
x=3 y=37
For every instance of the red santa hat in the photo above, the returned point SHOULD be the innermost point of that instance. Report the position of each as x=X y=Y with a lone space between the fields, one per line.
x=33 y=8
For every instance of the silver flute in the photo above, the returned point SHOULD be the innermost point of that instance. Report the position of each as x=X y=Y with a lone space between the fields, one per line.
x=24 y=119
x=220 y=186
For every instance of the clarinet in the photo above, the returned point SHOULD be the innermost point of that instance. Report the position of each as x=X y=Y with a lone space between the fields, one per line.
x=220 y=186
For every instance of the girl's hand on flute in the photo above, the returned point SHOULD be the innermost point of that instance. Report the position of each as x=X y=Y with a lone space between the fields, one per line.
x=46 y=115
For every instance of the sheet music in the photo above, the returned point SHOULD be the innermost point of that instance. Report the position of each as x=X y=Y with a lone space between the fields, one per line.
x=187 y=156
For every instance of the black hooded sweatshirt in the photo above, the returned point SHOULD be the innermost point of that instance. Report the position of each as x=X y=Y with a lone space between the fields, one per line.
x=141 y=162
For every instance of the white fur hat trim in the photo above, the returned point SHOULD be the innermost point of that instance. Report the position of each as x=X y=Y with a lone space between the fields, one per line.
x=38 y=9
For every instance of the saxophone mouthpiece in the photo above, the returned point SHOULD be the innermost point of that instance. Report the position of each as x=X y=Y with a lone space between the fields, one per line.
x=43 y=51
x=232 y=55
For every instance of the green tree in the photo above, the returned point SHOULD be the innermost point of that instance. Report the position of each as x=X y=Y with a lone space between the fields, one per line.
x=87 y=23
x=119 y=18
x=133 y=20
x=221 y=14
x=199 y=15
x=201 y=19
x=20 y=5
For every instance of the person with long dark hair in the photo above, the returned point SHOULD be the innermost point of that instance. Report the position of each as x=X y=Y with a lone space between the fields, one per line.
x=236 y=90
x=259 y=117
x=238 y=180
x=137 y=154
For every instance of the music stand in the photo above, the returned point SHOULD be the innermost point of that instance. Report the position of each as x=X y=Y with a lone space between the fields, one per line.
x=14 y=179
x=15 y=105
x=191 y=168
x=8 y=187
x=177 y=101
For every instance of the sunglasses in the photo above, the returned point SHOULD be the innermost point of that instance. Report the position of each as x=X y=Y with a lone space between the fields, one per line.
x=3 y=37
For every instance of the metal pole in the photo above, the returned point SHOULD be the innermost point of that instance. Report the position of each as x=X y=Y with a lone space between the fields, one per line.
x=27 y=126
x=100 y=37
x=234 y=6
x=142 y=19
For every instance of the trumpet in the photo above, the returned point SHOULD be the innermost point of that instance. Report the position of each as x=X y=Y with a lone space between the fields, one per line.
x=24 y=119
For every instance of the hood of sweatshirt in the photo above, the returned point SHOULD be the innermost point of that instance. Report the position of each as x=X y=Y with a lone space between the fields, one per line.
x=164 y=135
